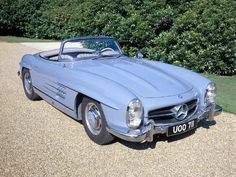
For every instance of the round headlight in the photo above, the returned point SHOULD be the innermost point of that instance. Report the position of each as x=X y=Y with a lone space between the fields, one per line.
x=134 y=114
x=210 y=96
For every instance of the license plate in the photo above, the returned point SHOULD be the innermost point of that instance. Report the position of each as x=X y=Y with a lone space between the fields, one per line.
x=181 y=128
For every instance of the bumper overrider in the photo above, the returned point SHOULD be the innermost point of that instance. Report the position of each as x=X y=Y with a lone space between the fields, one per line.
x=146 y=132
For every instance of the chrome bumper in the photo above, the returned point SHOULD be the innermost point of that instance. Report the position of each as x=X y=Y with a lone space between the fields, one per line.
x=146 y=132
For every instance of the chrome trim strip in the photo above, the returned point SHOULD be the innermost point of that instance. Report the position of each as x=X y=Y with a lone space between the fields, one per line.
x=162 y=114
x=52 y=98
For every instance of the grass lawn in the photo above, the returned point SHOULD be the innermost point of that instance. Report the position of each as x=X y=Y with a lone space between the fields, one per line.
x=226 y=92
x=21 y=39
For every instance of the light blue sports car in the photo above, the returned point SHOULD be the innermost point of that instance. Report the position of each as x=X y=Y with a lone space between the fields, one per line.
x=91 y=79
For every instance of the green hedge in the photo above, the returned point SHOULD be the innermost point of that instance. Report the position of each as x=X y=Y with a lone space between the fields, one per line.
x=199 y=35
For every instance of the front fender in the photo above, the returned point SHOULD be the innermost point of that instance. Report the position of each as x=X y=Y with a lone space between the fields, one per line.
x=101 y=89
x=113 y=97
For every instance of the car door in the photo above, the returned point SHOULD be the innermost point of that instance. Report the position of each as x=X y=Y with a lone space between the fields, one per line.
x=45 y=76
x=49 y=76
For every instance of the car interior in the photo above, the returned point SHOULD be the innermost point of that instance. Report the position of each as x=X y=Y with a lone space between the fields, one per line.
x=68 y=54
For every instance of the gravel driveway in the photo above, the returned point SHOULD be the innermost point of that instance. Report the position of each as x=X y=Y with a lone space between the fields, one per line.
x=38 y=140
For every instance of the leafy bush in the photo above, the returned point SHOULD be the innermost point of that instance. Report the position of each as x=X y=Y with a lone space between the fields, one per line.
x=198 y=34
x=203 y=38
x=17 y=15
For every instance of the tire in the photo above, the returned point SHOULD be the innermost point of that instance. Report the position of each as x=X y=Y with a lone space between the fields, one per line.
x=28 y=87
x=96 y=127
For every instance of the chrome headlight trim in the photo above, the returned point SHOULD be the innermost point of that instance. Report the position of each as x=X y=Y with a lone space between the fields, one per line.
x=134 y=114
x=210 y=95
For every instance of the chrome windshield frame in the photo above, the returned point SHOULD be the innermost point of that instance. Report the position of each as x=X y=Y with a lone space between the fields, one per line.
x=86 y=38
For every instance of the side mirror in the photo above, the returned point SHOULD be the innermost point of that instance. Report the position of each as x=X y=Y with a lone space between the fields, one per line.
x=139 y=55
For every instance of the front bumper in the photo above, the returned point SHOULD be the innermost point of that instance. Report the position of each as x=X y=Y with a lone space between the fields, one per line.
x=146 y=132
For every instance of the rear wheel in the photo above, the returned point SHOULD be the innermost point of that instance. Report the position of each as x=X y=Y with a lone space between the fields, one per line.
x=28 y=87
x=94 y=122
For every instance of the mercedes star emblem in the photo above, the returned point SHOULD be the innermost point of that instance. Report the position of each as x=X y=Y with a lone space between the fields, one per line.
x=180 y=111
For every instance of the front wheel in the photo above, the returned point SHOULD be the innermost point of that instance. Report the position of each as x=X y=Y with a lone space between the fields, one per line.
x=94 y=122
x=28 y=87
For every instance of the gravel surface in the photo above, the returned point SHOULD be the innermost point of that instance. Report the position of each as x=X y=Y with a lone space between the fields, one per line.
x=38 y=140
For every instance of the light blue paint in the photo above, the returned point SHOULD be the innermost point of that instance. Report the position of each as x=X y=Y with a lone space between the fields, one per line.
x=114 y=82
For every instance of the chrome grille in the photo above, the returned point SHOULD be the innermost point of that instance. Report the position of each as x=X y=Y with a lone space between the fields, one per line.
x=166 y=114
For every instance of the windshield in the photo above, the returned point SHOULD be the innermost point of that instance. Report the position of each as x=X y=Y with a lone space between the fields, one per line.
x=87 y=48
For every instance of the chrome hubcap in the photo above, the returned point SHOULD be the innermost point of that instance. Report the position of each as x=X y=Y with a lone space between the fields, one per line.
x=28 y=83
x=93 y=118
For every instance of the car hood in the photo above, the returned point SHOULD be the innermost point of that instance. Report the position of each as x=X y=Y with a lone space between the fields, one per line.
x=138 y=76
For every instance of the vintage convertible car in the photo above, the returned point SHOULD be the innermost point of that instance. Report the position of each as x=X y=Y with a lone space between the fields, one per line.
x=91 y=79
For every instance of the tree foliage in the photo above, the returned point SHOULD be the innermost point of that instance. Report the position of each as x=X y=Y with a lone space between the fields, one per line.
x=196 y=34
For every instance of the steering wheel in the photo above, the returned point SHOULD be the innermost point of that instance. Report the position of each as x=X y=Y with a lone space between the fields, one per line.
x=107 y=49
